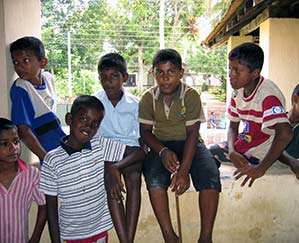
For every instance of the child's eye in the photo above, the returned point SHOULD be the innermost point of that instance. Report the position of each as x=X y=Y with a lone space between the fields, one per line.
x=26 y=60
x=95 y=125
x=15 y=62
x=83 y=119
x=171 y=72
x=114 y=76
x=16 y=141
x=158 y=72
x=3 y=144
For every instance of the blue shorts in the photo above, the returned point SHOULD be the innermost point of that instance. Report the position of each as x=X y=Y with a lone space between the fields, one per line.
x=220 y=153
x=204 y=169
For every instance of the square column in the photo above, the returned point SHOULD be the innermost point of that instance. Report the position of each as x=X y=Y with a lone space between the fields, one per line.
x=279 y=39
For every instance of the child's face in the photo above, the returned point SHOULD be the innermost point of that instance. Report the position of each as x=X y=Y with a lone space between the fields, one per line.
x=112 y=81
x=240 y=76
x=168 y=77
x=295 y=105
x=27 y=65
x=83 y=126
x=10 y=148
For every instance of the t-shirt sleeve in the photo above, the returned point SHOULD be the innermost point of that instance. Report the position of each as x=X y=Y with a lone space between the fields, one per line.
x=146 y=110
x=22 y=110
x=113 y=150
x=48 y=179
x=194 y=109
x=273 y=113
x=37 y=195
x=232 y=113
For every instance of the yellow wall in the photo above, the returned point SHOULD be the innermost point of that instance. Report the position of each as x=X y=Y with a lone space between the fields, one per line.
x=17 y=18
x=279 y=39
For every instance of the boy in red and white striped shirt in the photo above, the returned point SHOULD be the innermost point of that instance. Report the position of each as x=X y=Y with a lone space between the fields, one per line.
x=18 y=188
x=259 y=105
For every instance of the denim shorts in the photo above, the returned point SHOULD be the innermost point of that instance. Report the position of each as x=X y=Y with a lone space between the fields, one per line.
x=204 y=169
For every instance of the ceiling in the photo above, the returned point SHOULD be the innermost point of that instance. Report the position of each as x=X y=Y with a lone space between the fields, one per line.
x=243 y=17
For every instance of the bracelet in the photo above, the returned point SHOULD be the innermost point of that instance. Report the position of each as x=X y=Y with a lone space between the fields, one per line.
x=161 y=151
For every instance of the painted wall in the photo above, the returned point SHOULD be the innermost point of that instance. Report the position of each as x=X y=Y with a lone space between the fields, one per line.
x=17 y=18
x=279 y=39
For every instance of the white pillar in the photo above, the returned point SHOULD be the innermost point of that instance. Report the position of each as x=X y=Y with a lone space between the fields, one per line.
x=17 y=18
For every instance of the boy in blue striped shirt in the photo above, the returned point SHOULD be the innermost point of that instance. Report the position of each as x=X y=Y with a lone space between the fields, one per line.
x=73 y=173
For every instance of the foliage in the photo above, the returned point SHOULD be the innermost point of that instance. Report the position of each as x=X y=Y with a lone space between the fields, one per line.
x=130 y=27
x=219 y=92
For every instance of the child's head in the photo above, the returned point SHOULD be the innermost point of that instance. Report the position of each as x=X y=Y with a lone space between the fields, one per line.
x=28 y=57
x=84 y=119
x=168 y=55
x=245 y=64
x=248 y=54
x=112 y=70
x=10 y=148
x=168 y=70
x=295 y=95
x=29 y=43
x=294 y=112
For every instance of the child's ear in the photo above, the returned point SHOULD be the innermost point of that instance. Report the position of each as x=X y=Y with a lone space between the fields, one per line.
x=182 y=72
x=43 y=62
x=126 y=77
x=296 y=99
x=68 y=118
x=257 y=72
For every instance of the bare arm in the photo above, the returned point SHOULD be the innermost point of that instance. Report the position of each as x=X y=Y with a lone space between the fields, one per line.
x=39 y=225
x=290 y=161
x=181 y=180
x=31 y=141
x=232 y=135
x=169 y=158
x=115 y=186
x=283 y=135
x=237 y=159
x=52 y=212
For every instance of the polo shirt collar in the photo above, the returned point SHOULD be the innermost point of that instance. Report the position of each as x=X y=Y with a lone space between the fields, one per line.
x=179 y=93
x=22 y=165
x=71 y=150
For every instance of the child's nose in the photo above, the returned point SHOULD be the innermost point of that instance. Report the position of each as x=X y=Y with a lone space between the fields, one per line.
x=13 y=146
x=165 y=76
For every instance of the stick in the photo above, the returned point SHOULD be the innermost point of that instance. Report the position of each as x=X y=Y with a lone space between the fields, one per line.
x=177 y=205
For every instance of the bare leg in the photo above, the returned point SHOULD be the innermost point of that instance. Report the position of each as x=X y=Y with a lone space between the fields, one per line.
x=117 y=213
x=159 y=201
x=132 y=175
x=208 y=204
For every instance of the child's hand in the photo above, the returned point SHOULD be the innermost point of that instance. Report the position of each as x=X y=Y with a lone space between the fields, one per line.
x=252 y=172
x=116 y=186
x=238 y=160
x=170 y=161
x=180 y=182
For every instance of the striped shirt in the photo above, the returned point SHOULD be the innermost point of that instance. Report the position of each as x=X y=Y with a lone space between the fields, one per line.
x=77 y=179
x=259 y=113
x=15 y=204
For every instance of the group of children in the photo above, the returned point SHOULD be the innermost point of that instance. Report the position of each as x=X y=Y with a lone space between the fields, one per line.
x=114 y=135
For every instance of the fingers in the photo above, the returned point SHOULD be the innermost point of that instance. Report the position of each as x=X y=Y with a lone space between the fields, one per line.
x=179 y=185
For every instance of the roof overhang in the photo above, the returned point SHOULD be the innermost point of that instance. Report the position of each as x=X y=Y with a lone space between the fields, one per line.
x=243 y=17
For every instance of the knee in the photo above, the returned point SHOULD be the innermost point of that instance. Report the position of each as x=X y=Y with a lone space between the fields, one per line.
x=133 y=180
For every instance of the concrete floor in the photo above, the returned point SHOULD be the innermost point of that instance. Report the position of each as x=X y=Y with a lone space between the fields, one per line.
x=266 y=213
